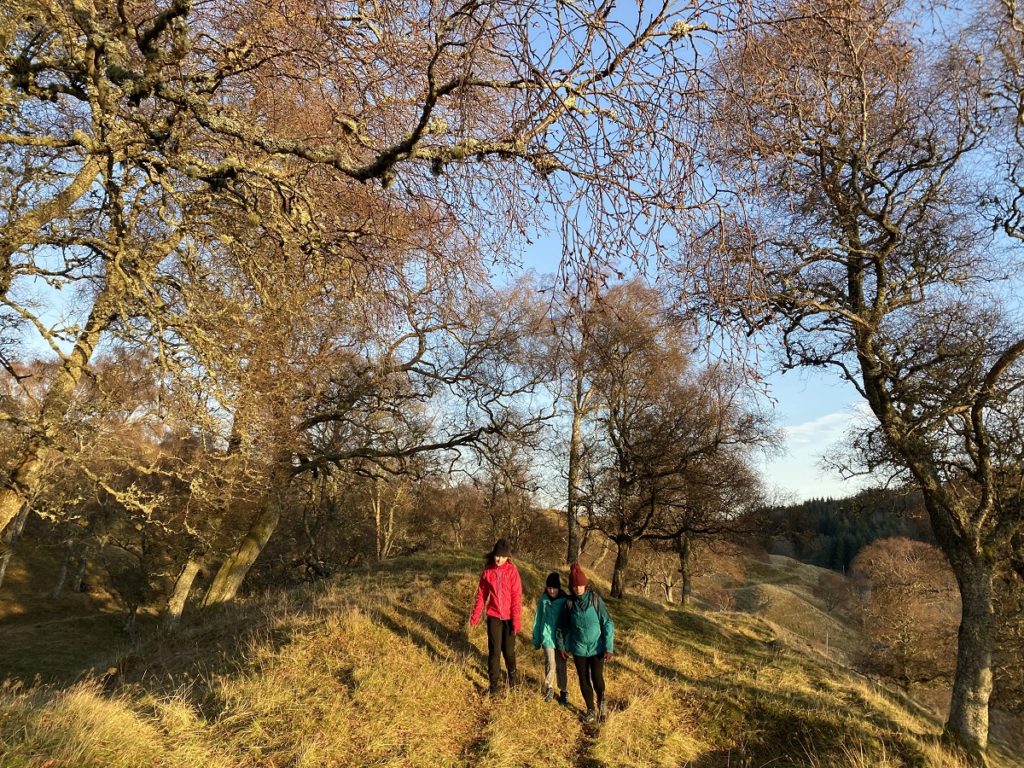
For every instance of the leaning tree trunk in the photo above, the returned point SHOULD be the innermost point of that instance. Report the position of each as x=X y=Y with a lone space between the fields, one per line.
x=670 y=594
x=235 y=568
x=62 y=575
x=623 y=547
x=967 y=725
x=182 y=587
x=17 y=232
x=13 y=534
x=604 y=552
x=683 y=550
x=26 y=476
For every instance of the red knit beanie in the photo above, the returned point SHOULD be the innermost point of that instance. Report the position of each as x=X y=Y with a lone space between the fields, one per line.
x=577 y=578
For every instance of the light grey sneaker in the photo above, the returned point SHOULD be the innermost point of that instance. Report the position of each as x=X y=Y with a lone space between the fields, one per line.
x=602 y=711
x=549 y=695
x=591 y=717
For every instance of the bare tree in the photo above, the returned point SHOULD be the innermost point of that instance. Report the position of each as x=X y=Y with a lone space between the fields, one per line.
x=659 y=419
x=851 y=137
x=717 y=498
x=142 y=141
x=910 y=611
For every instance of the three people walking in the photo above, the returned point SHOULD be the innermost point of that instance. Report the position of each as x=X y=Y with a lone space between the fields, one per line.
x=577 y=624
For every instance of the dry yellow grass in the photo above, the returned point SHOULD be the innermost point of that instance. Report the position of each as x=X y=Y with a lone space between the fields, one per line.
x=376 y=669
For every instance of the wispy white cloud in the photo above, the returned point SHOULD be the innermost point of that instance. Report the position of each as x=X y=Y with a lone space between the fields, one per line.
x=829 y=427
x=798 y=472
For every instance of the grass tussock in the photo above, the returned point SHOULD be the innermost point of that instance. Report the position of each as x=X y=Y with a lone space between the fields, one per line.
x=378 y=669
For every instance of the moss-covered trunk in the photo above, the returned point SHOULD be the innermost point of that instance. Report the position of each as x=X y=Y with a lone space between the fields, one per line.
x=623 y=547
x=235 y=568
x=968 y=723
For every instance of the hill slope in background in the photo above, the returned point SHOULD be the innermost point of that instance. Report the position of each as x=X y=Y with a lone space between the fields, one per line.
x=376 y=668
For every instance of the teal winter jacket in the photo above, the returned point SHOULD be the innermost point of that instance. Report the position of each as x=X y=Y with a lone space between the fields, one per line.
x=584 y=626
x=545 y=622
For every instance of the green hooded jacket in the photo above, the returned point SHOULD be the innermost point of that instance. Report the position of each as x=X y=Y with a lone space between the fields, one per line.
x=545 y=622
x=584 y=626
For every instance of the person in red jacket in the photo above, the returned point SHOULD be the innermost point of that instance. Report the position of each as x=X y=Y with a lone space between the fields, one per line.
x=501 y=590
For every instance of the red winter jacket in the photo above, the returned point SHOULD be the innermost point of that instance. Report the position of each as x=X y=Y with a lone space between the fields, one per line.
x=502 y=590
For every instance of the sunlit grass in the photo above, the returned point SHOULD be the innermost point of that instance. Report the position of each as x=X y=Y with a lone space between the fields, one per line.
x=377 y=669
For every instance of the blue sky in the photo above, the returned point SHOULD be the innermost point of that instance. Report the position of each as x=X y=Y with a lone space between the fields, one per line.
x=815 y=410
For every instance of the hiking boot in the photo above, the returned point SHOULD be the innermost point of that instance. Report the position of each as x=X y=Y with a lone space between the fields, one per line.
x=591 y=717
x=563 y=698
x=549 y=695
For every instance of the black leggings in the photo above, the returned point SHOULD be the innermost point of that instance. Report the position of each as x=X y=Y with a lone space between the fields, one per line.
x=591 y=673
x=501 y=641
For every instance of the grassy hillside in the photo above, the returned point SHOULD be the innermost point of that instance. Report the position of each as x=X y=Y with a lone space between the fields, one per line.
x=377 y=668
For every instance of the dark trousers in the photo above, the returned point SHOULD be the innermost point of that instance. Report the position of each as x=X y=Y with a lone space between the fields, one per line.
x=501 y=641
x=591 y=673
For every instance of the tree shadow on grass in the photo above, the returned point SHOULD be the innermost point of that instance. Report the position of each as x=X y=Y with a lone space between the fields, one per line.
x=444 y=643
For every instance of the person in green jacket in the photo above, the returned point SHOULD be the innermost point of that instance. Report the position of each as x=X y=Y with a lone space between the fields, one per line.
x=586 y=631
x=545 y=624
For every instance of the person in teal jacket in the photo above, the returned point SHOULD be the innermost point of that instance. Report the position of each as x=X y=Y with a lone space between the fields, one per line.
x=585 y=630
x=545 y=624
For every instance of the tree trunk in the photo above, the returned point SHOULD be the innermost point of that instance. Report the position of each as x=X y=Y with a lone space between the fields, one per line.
x=235 y=568
x=621 y=565
x=62 y=574
x=389 y=528
x=182 y=588
x=573 y=490
x=25 y=478
x=604 y=553
x=669 y=593
x=76 y=580
x=967 y=725
x=375 y=504
x=384 y=522
x=685 y=585
x=130 y=623
x=13 y=534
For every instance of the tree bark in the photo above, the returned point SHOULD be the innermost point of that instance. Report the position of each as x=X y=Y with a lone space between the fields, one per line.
x=76 y=580
x=235 y=568
x=623 y=548
x=13 y=534
x=604 y=553
x=25 y=478
x=182 y=588
x=62 y=574
x=967 y=725
x=573 y=489
x=683 y=550
x=384 y=524
x=669 y=593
